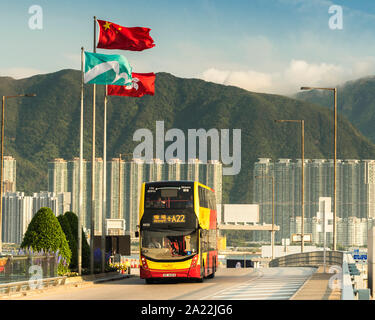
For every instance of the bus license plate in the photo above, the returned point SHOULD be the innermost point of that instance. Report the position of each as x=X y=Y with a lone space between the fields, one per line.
x=169 y=274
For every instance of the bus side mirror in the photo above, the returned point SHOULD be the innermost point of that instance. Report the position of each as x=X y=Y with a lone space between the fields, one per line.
x=136 y=234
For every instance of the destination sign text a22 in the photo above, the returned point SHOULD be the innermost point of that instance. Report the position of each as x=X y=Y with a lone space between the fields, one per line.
x=172 y=218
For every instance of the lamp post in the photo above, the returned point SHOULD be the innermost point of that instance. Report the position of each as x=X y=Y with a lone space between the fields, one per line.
x=1 y=160
x=302 y=177
x=93 y=166
x=273 y=214
x=334 y=90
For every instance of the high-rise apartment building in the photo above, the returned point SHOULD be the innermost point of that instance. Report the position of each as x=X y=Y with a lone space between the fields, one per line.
x=63 y=176
x=18 y=210
x=355 y=190
x=45 y=199
x=213 y=178
x=155 y=170
x=57 y=175
x=9 y=171
x=123 y=184
x=17 y=214
x=351 y=231
x=133 y=179
x=59 y=203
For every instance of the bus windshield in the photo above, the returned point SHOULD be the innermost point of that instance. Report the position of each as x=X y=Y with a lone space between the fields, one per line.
x=168 y=244
x=169 y=197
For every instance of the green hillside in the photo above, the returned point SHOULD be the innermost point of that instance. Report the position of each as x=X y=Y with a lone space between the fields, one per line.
x=47 y=126
x=355 y=100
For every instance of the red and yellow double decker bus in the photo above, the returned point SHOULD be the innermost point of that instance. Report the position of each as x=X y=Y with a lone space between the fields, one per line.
x=178 y=231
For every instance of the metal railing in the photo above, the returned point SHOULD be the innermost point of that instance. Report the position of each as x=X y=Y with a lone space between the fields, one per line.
x=308 y=259
x=347 y=291
x=16 y=268
x=17 y=287
x=315 y=259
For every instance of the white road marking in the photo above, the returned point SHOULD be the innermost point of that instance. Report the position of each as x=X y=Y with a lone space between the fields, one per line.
x=278 y=284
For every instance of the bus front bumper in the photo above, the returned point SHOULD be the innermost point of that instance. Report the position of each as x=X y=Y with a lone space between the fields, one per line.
x=193 y=272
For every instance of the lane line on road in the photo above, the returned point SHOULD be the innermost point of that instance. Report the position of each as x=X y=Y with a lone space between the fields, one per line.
x=265 y=286
x=259 y=275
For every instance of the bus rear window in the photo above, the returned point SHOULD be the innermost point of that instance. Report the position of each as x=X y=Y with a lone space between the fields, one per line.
x=169 y=193
x=169 y=197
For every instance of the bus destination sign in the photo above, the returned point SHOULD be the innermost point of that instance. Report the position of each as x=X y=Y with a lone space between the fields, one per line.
x=171 y=218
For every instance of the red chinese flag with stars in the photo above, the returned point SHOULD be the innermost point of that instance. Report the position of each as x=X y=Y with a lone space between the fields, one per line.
x=143 y=83
x=113 y=36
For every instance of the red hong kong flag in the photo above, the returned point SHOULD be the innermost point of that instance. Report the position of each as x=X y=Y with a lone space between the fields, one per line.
x=143 y=83
x=113 y=36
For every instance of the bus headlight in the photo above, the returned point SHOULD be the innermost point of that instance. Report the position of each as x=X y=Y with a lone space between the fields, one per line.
x=194 y=261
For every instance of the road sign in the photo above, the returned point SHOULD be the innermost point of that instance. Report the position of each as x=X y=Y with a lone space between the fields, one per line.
x=360 y=257
x=296 y=237
x=115 y=224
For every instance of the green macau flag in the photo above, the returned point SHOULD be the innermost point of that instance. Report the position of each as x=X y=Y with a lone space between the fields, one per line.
x=107 y=69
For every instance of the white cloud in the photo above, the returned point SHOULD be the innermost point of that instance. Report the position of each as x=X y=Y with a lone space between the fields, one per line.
x=296 y=74
x=249 y=80
x=300 y=72
x=363 y=67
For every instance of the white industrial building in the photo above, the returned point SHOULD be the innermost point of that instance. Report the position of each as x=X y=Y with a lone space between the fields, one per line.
x=241 y=213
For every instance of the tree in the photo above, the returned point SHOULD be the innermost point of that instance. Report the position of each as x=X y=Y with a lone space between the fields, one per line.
x=45 y=232
x=65 y=226
x=72 y=219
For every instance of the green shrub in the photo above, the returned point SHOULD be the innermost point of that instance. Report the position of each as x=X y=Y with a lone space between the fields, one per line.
x=45 y=232
x=66 y=228
x=72 y=219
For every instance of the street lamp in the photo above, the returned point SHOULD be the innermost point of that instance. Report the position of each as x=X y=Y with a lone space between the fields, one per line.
x=1 y=160
x=273 y=214
x=302 y=177
x=335 y=154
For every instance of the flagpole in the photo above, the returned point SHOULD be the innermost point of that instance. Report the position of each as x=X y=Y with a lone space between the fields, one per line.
x=92 y=230
x=104 y=181
x=80 y=210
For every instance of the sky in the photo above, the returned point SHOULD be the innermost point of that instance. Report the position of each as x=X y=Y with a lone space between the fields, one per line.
x=271 y=46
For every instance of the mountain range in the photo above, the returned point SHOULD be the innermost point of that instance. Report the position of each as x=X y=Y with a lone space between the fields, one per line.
x=45 y=127
x=355 y=100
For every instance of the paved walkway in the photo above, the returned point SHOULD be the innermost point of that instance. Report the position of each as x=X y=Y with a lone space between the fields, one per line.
x=69 y=282
x=317 y=288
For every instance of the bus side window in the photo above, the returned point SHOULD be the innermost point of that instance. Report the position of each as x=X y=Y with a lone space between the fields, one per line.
x=210 y=204
x=208 y=197
x=204 y=240
x=201 y=197
x=211 y=200
x=212 y=240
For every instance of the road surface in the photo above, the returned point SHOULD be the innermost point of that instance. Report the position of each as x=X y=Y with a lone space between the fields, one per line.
x=228 y=284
